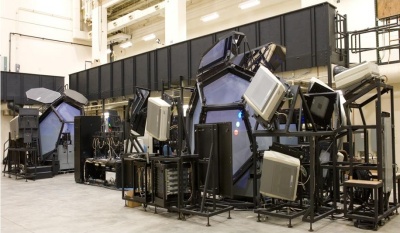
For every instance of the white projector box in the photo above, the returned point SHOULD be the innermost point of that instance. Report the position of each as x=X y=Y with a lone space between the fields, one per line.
x=280 y=175
x=265 y=93
x=158 y=118
x=356 y=74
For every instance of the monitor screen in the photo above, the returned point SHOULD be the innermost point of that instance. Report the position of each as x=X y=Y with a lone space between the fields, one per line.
x=214 y=55
x=137 y=111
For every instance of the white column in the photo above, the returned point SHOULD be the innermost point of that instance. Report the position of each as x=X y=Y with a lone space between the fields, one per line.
x=175 y=21
x=99 y=34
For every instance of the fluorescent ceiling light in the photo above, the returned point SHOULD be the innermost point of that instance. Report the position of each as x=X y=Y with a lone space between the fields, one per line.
x=210 y=17
x=110 y=3
x=126 y=44
x=118 y=37
x=248 y=4
x=149 y=37
x=108 y=51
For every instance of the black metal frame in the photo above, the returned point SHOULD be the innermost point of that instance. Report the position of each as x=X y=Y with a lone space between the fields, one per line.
x=316 y=210
x=377 y=88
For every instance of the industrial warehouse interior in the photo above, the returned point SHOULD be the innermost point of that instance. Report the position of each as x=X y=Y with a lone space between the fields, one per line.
x=200 y=115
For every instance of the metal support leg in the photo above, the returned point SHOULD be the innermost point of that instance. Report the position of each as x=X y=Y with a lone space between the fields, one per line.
x=208 y=222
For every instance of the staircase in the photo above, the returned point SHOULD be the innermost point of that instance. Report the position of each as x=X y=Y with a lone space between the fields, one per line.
x=39 y=172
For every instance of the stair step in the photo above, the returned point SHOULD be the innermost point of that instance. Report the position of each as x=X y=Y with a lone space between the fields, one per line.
x=43 y=175
x=30 y=170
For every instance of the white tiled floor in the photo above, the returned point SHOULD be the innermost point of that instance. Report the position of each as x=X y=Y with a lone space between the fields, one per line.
x=60 y=205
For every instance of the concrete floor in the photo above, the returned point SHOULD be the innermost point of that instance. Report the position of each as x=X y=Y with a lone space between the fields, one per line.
x=61 y=205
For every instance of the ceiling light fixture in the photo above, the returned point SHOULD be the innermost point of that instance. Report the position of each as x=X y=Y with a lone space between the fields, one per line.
x=110 y=3
x=126 y=44
x=248 y=4
x=149 y=37
x=210 y=17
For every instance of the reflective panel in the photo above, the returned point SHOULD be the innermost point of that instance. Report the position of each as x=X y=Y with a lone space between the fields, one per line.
x=50 y=129
x=42 y=95
x=67 y=112
x=214 y=55
x=225 y=90
x=78 y=97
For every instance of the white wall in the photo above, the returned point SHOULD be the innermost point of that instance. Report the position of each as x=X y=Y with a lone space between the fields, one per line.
x=50 y=19
x=230 y=16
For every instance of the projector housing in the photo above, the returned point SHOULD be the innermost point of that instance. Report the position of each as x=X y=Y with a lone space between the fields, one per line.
x=265 y=93
x=158 y=118
x=354 y=75
x=280 y=175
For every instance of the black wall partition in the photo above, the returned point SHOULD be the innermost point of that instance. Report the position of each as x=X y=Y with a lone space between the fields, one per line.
x=162 y=66
x=94 y=84
x=14 y=85
x=117 y=78
x=308 y=34
x=129 y=75
x=105 y=81
x=83 y=83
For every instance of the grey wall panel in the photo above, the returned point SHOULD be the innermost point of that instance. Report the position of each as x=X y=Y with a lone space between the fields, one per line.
x=129 y=76
x=296 y=30
x=324 y=29
x=73 y=82
x=154 y=85
x=162 y=66
x=270 y=31
x=14 y=87
x=105 y=81
x=251 y=31
x=3 y=86
x=117 y=80
x=93 y=83
x=197 y=48
x=298 y=38
x=83 y=83
x=142 y=71
x=29 y=81
x=47 y=82
x=59 y=82
x=179 y=62
x=224 y=33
